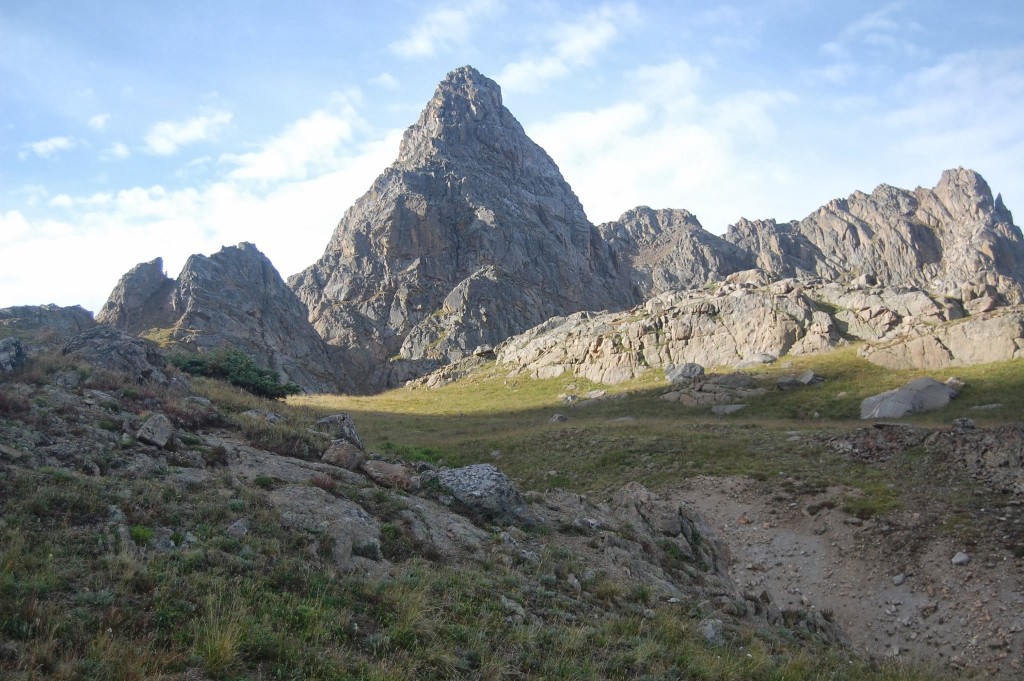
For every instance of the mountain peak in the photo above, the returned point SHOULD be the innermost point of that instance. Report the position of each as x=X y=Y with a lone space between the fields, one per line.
x=466 y=105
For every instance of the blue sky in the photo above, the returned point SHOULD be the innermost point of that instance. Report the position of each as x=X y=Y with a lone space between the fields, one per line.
x=131 y=130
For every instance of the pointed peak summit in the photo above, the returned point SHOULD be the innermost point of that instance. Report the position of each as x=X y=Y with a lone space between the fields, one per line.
x=465 y=102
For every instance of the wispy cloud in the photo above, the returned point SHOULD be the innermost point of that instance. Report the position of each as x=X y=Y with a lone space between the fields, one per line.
x=99 y=121
x=444 y=28
x=305 y=147
x=571 y=46
x=165 y=138
x=882 y=30
x=47 y=147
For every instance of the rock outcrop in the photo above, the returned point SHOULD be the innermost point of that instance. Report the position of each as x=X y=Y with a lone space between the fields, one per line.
x=234 y=298
x=724 y=328
x=472 y=235
x=114 y=350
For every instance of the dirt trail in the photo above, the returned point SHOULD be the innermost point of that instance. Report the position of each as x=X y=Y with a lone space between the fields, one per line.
x=889 y=599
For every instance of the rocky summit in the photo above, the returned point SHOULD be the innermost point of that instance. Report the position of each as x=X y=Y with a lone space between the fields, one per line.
x=470 y=236
x=953 y=239
x=234 y=298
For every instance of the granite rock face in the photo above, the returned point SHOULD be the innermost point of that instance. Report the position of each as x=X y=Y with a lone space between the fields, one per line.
x=234 y=298
x=471 y=235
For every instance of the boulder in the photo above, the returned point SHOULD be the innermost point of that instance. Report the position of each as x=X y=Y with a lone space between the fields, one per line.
x=920 y=394
x=344 y=454
x=486 y=491
x=12 y=355
x=683 y=373
x=108 y=348
x=157 y=431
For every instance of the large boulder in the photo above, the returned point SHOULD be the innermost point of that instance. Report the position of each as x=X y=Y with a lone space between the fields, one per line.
x=108 y=348
x=484 y=490
x=920 y=394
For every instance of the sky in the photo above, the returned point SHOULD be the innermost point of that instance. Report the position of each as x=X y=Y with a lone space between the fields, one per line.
x=132 y=130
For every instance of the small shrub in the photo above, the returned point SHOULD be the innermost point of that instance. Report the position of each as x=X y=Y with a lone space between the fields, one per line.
x=141 y=534
x=109 y=426
x=237 y=368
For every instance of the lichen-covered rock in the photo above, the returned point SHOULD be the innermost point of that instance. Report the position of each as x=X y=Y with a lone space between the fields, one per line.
x=341 y=427
x=108 y=348
x=12 y=355
x=344 y=454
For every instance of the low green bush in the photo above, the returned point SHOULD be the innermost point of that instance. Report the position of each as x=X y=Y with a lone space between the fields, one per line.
x=237 y=368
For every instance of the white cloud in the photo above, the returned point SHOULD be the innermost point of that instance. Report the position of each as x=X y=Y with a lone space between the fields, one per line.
x=290 y=220
x=306 y=147
x=116 y=151
x=167 y=137
x=572 y=46
x=385 y=80
x=99 y=121
x=48 y=147
x=444 y=28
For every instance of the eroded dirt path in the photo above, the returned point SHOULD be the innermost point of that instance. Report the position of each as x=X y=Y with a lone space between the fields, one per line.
x=891 y=596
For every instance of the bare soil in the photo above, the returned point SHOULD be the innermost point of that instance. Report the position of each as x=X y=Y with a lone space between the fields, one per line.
x=889 y=582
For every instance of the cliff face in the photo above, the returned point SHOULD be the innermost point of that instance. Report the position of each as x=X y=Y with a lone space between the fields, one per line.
x=471 y=235
x=233 y=298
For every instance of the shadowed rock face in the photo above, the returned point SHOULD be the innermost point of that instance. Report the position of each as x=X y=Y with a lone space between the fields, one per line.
x=233 y=298
x=944 y=239
x=470 y=236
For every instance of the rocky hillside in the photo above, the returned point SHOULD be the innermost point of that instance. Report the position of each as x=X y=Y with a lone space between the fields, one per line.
x=235 y=298
x=174 y=529
x=471 y=236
